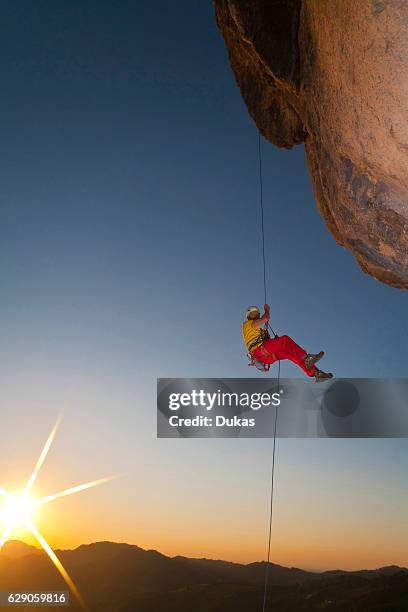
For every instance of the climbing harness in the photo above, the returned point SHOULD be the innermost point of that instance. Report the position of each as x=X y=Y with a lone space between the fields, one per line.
x=259 y=365
x=263 y=335
x=257 y=343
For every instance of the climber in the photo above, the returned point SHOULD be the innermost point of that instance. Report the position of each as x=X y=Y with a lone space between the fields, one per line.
x=267 y=350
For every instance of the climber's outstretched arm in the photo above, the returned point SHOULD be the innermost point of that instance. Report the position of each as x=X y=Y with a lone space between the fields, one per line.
x=264 y=319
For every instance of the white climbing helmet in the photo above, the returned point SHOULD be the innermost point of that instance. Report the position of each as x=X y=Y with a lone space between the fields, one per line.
x=252 y=310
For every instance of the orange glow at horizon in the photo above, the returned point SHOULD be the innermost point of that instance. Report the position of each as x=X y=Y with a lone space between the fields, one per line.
x=292 y=546
x=224 y=517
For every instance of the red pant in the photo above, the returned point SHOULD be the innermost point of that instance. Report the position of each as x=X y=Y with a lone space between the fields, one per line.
x=283 y=347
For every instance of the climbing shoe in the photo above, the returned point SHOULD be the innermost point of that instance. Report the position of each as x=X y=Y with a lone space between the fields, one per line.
x=323 y=376
x=311 y=359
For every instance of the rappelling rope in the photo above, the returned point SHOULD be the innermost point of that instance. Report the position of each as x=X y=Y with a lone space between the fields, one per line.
x=262 y=221
x=278 y=382
x=271 y=499
x=262 y=212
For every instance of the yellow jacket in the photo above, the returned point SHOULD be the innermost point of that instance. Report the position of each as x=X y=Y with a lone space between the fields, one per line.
x=253 y=336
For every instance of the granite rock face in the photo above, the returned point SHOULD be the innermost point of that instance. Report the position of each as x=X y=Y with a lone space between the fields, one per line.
x=334 y=75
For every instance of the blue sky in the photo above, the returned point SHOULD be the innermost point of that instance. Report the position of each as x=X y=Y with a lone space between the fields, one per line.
x=130 y=249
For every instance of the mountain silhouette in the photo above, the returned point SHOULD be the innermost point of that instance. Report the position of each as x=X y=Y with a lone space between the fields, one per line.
x=14 y=549
x=125 y=578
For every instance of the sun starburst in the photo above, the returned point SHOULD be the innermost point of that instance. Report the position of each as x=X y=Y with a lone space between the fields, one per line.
x=19 y=510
